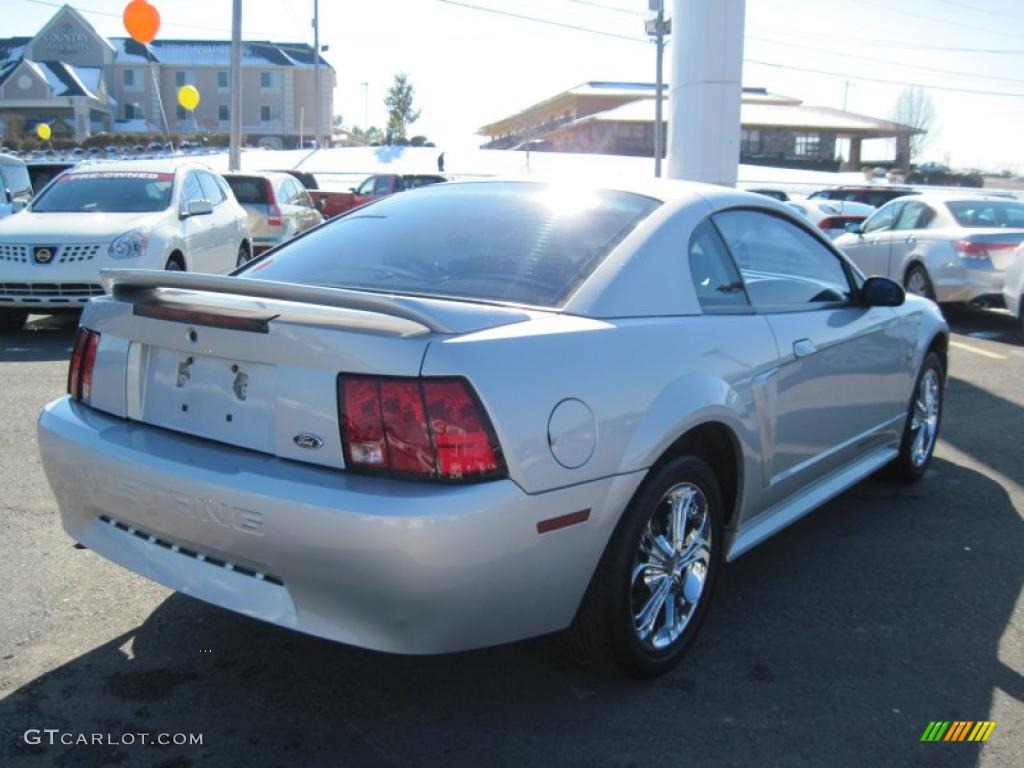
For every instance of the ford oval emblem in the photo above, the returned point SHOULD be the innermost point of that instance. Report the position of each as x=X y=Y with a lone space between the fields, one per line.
x=307 y=440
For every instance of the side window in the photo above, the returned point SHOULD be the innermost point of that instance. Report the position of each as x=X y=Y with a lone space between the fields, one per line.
x=366 y=188
x=714 y=275
x=915 y=216
x=382 y=186
x=782 y=266
x=211 y=190
x=883 y=218
x=191 y=191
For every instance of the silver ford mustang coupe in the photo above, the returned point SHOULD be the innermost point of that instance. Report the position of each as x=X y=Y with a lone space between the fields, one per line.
x=485 y=411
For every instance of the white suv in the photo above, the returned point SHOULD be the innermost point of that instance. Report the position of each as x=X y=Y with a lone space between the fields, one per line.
x=146 y=215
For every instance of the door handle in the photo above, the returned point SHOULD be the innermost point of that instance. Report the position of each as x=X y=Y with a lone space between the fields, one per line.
x=911 y=239
x=804 y=347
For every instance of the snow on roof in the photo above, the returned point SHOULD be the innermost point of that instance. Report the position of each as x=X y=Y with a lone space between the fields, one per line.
x=759 y=114
x=214 y=53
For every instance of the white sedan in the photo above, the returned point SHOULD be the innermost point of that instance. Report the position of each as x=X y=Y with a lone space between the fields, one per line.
x=148 y=215
x=832 y=216
x=951 y=247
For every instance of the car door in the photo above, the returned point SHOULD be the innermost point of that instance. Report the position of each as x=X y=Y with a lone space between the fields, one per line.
x=840 y=385
x=224 y=238
x=908 y=235
x=869 y=250
x=309 y=216
x=196 y=231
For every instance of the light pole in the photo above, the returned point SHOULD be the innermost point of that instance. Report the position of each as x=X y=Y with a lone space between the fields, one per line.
x=366 y=106
x=319 y=133
x=235 y=141
x=658 y=27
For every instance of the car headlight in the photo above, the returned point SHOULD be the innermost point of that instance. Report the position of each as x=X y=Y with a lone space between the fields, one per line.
x=129 y=245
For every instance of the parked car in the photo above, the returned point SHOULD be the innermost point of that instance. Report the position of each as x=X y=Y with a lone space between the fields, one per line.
x=483 y=411
x=949 y=247
x=15 y=185
x=277 y=205
x=776 y=194
x=154 y=214
x=1013 y=287
x=832 y=216
x=372 y=188
x=873 y=196
x=42 y=173
x=942 y=175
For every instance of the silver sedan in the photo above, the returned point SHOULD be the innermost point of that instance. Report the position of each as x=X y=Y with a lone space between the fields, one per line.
x=950 y=247
x=485 y=411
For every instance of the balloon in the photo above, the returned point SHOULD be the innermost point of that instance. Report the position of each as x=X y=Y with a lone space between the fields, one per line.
x=142 y=21
x=43 y=131
x=188 y=97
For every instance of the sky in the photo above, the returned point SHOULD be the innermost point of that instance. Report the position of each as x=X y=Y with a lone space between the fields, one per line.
x=475 y=61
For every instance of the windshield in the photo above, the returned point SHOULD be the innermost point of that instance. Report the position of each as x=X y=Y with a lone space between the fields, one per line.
x=979 y=214
x=107 y=192
x=523 y=243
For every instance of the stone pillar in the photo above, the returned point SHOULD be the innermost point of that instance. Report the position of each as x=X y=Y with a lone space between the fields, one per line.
x=705 y=90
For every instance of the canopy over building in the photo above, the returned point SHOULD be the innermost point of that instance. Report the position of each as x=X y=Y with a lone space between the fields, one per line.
x=618 y=119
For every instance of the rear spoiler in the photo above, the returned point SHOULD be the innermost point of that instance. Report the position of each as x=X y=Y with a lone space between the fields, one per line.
x=122 y=283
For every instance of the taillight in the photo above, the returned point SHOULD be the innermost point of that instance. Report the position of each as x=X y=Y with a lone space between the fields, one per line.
x=979 y=250
x=273 y=211
x=838 y=222
x=419 y=428
x=83 y=360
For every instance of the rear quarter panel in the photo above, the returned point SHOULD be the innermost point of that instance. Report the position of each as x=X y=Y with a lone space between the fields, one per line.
x=646 y=381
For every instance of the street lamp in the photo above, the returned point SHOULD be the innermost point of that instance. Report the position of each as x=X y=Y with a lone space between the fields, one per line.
x=657 y=28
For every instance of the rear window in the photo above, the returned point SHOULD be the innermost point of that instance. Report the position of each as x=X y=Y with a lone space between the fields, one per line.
x=979 y=214
x=110 y=192
x=522 y=243
x=248 y=189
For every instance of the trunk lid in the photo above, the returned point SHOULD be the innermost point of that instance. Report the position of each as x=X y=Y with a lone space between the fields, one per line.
x=228 y=359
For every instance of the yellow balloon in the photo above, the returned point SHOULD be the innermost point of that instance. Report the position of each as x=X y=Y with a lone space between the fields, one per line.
x=43 y=131
x=188 y=97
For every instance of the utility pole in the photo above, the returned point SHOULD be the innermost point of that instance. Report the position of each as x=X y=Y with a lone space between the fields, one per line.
x=658 y=28
x=235 y=142
x=319 y=133
x=846 y=92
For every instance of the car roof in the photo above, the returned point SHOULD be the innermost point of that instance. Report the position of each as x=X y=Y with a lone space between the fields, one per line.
x=151 y=166
x=953 y=196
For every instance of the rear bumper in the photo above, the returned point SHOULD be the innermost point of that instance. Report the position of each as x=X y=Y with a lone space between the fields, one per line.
x=956 y=283
x=389 y=565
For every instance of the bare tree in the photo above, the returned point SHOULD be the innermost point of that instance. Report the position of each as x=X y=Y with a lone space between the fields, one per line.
x=914 y=109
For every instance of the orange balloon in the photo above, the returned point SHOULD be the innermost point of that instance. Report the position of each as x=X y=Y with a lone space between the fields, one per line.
x=142 y=21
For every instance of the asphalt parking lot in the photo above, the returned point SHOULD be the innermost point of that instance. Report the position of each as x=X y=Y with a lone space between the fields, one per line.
x=833 y=644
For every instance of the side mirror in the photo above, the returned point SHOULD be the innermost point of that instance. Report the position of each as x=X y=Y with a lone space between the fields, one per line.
x=199 y=208
x=882 y=292
x=855 y=228
x=321 y=203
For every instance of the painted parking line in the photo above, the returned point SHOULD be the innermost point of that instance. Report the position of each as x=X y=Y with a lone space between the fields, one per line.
x=977 y=350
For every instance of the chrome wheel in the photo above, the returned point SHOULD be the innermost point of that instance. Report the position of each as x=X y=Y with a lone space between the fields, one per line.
x=924 y=422
x=671 y=566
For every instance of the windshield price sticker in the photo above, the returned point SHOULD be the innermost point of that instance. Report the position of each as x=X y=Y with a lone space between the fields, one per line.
x=119 y=175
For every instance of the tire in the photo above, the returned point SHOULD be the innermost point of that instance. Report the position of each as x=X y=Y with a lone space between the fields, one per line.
x=924 y=413
x=917 y=282
x=12 y=320
x=609 y=630
x=174 y=264
x=243 y=255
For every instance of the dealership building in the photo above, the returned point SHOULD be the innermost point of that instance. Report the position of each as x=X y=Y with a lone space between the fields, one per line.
x=618 y=119
x=81 y=83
